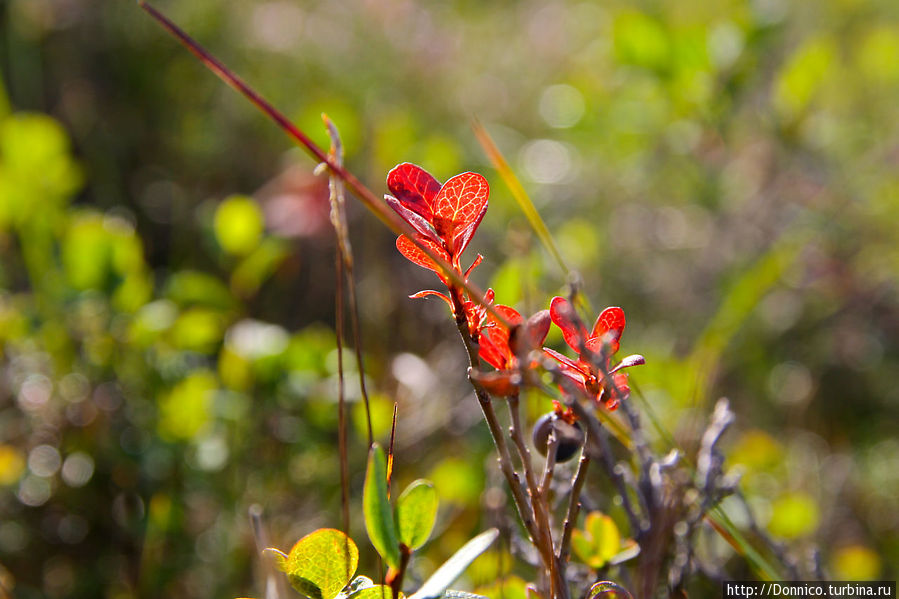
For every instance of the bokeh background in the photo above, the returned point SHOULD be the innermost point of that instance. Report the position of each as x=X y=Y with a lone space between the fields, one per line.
x=728 y=172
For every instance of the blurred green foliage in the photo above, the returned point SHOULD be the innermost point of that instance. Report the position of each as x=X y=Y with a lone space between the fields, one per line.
x=726 y=172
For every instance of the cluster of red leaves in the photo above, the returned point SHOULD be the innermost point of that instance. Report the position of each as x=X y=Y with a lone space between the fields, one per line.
x=445 y=218
x=593 y=371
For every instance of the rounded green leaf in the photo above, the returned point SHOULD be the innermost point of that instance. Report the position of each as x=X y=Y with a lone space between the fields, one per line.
x=606 y=589
x=599 y=543
x=321 y=563
x=376 y=508
x=416 y=512
x=238 y=225
x=794 y=515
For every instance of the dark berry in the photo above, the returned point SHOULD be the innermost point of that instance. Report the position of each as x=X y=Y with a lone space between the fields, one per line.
x=570 y=436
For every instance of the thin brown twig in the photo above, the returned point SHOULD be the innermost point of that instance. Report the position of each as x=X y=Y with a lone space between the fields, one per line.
x=538 y=503
x=341 y=260
x=574 y=506
x=341 y=401
x=341 y=228
x=552 y=448
x=597 y=438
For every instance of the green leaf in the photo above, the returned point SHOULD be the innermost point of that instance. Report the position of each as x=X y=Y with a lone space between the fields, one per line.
x=238 y=225
x=416 y=512
x=600 y=542
x=376 y=508
x=363 y=587
x=357 y=584
x=794 y=515
x=320 y=564
x=510 y=587
x=452 y=568
x=185 y=412
x=378 y=591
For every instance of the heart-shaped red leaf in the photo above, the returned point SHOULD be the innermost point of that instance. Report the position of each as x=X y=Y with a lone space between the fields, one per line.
x=413 y=253
x=609 y=326
x=461 y=202
x=414 y=187
x=562 y=313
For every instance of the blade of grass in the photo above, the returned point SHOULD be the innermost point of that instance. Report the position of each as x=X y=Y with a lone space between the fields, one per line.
x=390 y=449
x=725 y=527
x=518 y=192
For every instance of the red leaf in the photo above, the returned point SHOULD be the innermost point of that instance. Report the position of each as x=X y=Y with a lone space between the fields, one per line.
x=430 y=292
x=538 y=327
x=562 y=313
x=632 y=360
x=569 y=367
x=609 y=326
x=461 y=202
x=464 y=235
x=494 y=347
x=472 y=267
x=411 y=251
x=531 y=334
x=494 y=338
x=417 y=221
x=501 y=382
x=510 y=314
x=414 y=187
x=617 y=392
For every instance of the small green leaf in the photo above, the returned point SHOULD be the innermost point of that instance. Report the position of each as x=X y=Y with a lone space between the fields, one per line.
x=238 y=225
x=600 y=542
x=363 y=587
x=608 y=590
x=278 y=556
x=794 y=515
x=452 y=568
x=509 y=587
x=376 y=508
x=357 y=584
x=320 y=564
x=416 y=512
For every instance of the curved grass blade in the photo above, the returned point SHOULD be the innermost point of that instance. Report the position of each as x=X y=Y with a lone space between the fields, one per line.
x=518 y=192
